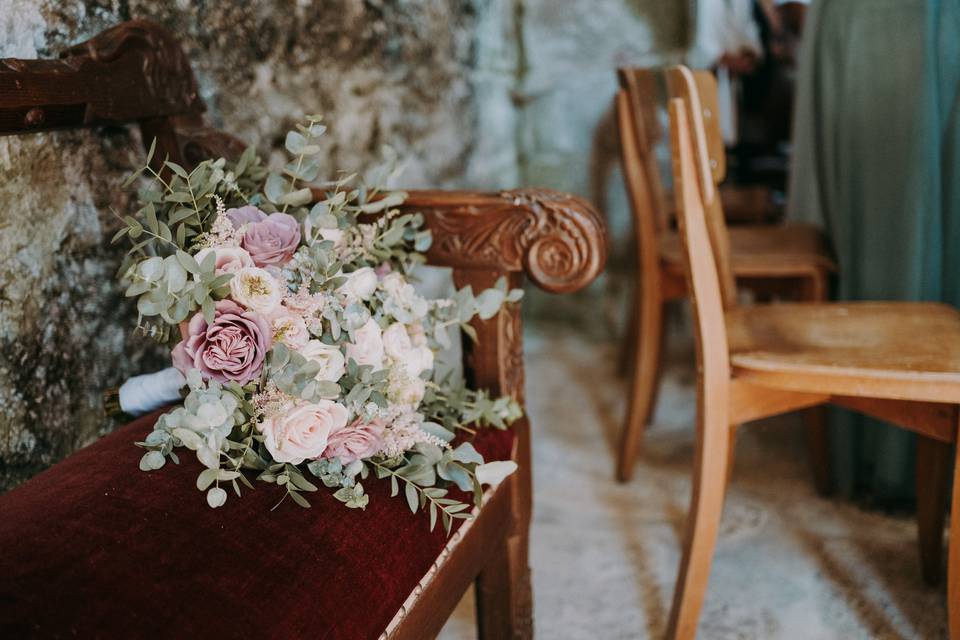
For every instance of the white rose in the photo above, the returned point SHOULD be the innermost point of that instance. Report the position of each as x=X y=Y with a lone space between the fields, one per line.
x=396 y=341
x=336 y=236
x=256 y=289
x=367 y=345
x=417 y=360
x=332 y=362
x=393 y=283
x=360 y=284
x=401 y=350
x=333 y=235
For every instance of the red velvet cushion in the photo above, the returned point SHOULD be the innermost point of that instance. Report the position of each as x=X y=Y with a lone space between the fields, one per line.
x=94 y=547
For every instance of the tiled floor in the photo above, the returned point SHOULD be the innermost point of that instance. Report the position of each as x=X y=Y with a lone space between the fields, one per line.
x=788 y=565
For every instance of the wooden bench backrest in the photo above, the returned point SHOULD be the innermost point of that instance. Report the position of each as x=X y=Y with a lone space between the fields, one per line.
x=135 y=72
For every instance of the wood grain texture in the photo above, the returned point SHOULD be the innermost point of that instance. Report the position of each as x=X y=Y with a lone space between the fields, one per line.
x=897 y=361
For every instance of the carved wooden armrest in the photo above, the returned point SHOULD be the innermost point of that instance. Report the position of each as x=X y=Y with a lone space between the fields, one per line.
x=557 y=239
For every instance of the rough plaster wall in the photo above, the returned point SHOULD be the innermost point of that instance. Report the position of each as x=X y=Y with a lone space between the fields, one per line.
x=567 y=131
x=382 y=72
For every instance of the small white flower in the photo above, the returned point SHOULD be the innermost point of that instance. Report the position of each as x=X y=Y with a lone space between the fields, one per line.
x=256 y=289
x=405 y=389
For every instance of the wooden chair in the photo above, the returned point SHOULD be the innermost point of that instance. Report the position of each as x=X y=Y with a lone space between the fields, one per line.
x=898 y=361
x=78 y=538
x=787 y=260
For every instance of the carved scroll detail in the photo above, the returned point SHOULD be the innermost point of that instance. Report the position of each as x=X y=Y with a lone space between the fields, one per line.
x=556 y=238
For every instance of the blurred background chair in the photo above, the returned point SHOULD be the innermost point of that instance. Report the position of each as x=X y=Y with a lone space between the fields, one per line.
x=899 y=361
x=782 y=260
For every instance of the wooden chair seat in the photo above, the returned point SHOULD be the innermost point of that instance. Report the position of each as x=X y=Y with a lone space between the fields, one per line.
x=896 y=350
x=764 y=251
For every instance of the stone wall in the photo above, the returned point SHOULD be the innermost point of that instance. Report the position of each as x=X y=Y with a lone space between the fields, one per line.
x=471 y=93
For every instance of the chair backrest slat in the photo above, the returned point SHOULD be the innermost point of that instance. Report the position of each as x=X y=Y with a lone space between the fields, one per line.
x=713 y=360
x=641 y=97
x=706 y=148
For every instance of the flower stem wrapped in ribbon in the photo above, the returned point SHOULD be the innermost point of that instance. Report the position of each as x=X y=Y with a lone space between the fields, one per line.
x=306 y=350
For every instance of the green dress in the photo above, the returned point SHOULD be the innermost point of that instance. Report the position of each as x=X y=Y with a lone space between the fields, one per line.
x=876 y=162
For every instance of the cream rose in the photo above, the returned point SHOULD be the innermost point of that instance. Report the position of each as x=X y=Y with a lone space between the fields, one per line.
x=360 y=284
x=332 y=362
x=303 y=432
x=256 y=289
x=367 y=345
x=290 y=329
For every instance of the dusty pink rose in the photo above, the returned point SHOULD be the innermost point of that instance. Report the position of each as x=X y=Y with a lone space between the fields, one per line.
x=273 y=240
x=245 y=215
x=229 y=259
x=355 y=442
x=303 y=432
x=231 y=348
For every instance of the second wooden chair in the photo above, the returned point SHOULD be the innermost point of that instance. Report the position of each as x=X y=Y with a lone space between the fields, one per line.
x=787 y=260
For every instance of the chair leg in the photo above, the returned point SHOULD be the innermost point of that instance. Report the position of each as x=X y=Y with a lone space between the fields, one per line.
x=504 y=594
x=703 y=523
x=816 y=289
x=818 y=448
x=625 y=359
x=953 y=557
x=643 y=381
x=934 y=463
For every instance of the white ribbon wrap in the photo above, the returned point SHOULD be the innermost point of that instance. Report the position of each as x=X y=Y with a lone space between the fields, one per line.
x=143 y=394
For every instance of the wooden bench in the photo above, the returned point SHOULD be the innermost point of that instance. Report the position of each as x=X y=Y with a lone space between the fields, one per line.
x=95 y=548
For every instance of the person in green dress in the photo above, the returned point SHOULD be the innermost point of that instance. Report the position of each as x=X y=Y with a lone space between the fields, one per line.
x=875 y=160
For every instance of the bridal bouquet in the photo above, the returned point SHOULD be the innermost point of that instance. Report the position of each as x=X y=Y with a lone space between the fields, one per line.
x=308 y=355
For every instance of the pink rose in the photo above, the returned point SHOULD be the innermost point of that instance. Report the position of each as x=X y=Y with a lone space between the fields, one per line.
x=273 y=240
x=245 y=215
x=231 y=348
x=355 y=442
x=229 y=259
x=303 y=432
